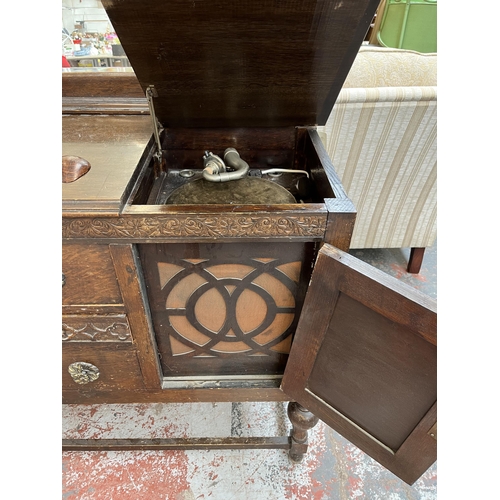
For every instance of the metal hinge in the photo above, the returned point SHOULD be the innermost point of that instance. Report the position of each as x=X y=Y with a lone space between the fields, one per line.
x=150 y=93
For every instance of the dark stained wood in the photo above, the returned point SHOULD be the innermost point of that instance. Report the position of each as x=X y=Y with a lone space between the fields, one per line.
x=117 y=364
x=241 y=138
x=241 y=64
x=331 y=219
x=251 y=76
x=341 y=211
x=109 y=130
x=302 y=420
x=90 y=276
x=260 y=147
x=104 y=106
x=103 y=93
x=433 y=431
x=202 y=223
x=364 y=361
x=340 y=223
x=229 y=443
x=94 y=85
x=296 y=148
x=415 y=260
x=326 y=180
x=131 y=282
x=149 y=210
x=220 y=395
x=367 y=355
x=97 y=309
x=73 y=167
x=301 y=145
x=96 y=328
x=262 y=159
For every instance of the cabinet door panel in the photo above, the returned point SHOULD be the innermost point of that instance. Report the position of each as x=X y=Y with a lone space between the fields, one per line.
x=364 y=361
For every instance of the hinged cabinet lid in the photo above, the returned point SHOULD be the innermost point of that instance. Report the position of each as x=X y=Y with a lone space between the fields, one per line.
x=263 y=63
x=363 y=360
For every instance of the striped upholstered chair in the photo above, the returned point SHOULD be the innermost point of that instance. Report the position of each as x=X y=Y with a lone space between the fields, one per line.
x=381 y=137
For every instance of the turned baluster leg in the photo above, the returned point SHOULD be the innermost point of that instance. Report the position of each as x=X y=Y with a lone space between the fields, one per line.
x=302 y=420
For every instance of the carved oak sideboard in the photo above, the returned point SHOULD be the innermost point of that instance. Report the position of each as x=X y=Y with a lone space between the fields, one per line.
x=185 y=279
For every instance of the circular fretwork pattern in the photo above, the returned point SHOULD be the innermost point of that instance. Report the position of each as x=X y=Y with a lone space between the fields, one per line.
x=229 y=309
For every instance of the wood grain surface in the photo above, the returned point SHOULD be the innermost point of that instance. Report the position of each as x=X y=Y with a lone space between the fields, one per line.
x=89 y=276
x=232 y=64
x=364 y=361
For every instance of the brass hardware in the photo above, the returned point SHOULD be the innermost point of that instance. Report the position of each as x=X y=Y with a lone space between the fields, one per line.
x=83 y=373
x=63 y=279
x=434 y=431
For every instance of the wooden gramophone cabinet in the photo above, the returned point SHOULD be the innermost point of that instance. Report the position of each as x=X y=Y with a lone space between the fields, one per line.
x=235 y=300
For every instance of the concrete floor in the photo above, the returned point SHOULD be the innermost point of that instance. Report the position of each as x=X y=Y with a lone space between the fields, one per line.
x=333 y=468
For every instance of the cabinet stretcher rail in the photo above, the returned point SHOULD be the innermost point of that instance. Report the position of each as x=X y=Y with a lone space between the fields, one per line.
x=280 y=442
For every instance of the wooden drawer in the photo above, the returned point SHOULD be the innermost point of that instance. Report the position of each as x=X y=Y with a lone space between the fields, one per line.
x=116 y=367
x=89 y=275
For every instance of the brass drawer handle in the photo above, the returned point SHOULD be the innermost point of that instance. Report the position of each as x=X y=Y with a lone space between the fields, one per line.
x=83 y=373
x=63 y=279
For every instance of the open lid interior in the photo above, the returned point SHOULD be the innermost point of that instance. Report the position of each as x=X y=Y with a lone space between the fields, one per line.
x=259 y=63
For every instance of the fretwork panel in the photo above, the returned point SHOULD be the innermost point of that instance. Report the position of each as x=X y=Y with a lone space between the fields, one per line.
x=225 y=308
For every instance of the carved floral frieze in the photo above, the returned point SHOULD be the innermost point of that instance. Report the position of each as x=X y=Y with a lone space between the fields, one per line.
x=202 y=226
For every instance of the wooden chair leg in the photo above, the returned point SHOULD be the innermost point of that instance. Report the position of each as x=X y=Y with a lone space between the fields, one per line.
x=415 y=260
